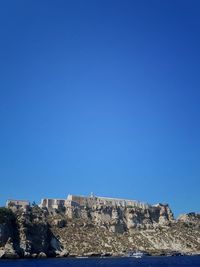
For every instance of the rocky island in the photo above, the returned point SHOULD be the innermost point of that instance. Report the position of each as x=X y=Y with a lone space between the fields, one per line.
x=94 y=226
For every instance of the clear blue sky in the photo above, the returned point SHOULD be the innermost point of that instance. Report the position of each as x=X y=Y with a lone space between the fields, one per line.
x=101 y=96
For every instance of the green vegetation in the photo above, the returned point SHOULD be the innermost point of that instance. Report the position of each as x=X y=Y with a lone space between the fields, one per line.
x=6 y=215
x=60 y=209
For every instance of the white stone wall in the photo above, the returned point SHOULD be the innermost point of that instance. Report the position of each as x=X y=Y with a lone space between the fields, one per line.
x=91 y=201
x=52 y=203
x=73 y=200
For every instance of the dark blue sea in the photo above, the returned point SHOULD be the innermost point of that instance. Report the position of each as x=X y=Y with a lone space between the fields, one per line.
x=185 y=261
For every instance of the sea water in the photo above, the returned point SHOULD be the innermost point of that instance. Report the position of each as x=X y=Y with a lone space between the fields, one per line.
x=183 y=261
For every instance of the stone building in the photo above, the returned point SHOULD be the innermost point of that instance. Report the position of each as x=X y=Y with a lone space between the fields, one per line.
x=94 y=200
x=17 y=204
x=52 y=203
x=90 y=201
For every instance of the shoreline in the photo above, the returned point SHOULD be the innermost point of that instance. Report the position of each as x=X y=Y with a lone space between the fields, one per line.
x=95 y=255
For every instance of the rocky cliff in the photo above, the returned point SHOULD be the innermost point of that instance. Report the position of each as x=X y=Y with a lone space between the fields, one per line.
x=100 y=230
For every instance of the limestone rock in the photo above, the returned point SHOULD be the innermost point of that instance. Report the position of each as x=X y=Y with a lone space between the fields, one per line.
x=9 y=250
x=192 y=217
x=42 y=255
x=63 y=253
x=2 y=253
x=95 y=231
x=59 y=223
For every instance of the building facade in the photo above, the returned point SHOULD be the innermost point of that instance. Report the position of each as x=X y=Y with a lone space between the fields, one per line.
x=52 y=203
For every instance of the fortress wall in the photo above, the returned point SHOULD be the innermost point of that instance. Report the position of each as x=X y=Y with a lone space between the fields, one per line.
x=52 y=203
x=17 y=204
x=82 y=201
x=91 y=201
x=123 y=202
x=78 y=199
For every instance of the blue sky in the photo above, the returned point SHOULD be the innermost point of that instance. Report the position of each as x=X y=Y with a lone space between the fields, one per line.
x=100 y=96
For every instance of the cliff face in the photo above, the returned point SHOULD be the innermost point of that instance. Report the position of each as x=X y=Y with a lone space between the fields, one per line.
x=119 y=219
x=99 y=230
x=9 y=234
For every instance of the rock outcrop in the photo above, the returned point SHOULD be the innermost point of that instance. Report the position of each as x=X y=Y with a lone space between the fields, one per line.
x=190 y=218
x=98 y=230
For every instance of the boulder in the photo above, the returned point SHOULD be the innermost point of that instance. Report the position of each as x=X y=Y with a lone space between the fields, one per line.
x=63 y=253
x=2 y=253
x=42 y=255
